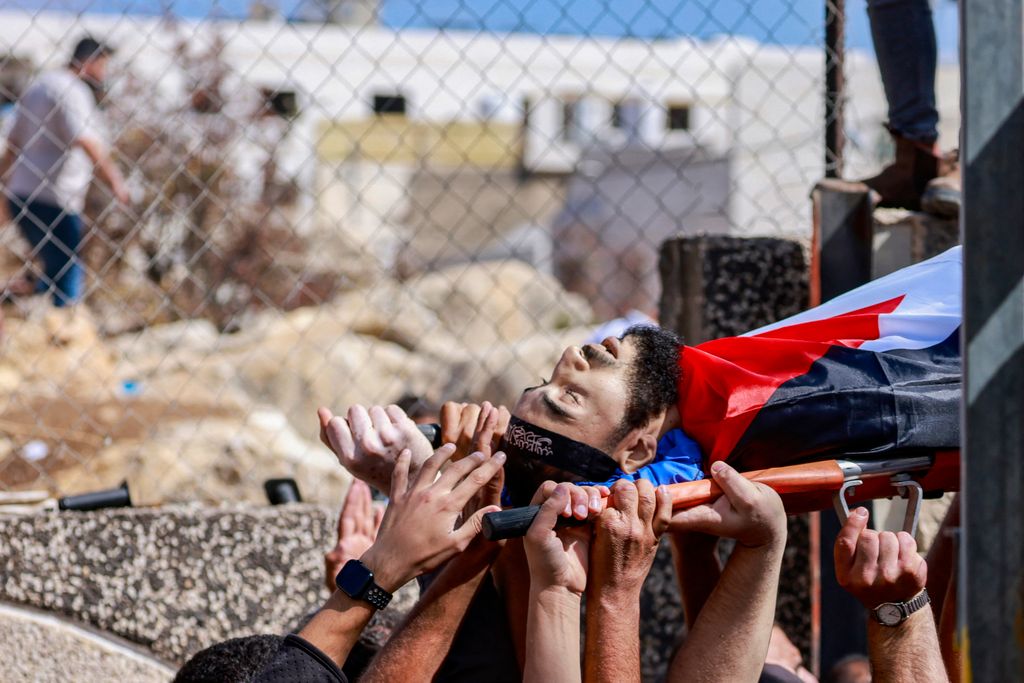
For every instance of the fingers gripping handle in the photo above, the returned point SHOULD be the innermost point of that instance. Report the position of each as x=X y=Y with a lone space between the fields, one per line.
x=515 y=522
x=793 y=479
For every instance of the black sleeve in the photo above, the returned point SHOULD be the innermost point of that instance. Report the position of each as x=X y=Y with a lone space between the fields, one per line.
x=299 y=661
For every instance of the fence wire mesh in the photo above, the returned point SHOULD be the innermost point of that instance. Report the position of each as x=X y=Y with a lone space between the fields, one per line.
x=329 y=205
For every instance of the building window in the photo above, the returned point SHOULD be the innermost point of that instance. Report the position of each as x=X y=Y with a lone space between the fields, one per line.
x=281 y=103
x=627 y=116
x=617 y=112
x=678 y=117
x=570 y=114
x=527 y=108
x=389 y=104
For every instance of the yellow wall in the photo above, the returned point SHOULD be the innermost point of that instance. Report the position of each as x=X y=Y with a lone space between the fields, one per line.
x=397 y=140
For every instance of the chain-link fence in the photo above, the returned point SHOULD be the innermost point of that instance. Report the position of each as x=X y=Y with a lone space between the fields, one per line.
x=368 y=202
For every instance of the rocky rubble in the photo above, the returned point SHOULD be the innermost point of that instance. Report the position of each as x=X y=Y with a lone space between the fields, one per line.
x=187 y=413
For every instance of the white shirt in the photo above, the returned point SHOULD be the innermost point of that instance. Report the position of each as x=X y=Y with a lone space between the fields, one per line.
x=54 y=112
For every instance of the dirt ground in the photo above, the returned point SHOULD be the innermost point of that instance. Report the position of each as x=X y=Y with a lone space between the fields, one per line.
x=75 y=431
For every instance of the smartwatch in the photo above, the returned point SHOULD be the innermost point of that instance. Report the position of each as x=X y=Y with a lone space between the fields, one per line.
x=356 y=579
x=895 y=613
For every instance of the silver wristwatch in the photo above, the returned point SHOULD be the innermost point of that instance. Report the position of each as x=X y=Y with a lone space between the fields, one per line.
x=895 y=613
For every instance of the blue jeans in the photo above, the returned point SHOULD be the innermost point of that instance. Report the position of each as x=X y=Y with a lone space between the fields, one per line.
x=904 y=38
x=55 y=236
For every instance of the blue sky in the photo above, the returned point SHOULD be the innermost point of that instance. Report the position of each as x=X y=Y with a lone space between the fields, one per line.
x=788 y=22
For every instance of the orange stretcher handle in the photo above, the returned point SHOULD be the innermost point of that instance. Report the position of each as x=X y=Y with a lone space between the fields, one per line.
x=822 y=476
x=803 y=488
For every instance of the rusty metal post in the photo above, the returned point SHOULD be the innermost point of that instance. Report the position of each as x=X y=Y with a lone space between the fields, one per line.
x=835 y=56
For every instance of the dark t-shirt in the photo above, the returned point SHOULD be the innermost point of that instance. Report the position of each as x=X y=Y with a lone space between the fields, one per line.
x=299 y=661
x=483 y=649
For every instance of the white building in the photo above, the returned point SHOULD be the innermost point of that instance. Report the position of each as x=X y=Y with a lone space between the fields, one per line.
x=377 y=107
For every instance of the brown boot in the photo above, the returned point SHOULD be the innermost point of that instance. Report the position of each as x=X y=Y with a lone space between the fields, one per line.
x=901 y=183
x=942 y=196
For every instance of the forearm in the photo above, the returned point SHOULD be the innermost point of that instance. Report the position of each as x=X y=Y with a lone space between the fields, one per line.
x=736 y=621
x=109 y=173
x=907 y=653
x=698 y=571
x=336 y=627
x=612 y=649
x=552 y=637
x=419 y=646
x=105 y=167
x=512 y=579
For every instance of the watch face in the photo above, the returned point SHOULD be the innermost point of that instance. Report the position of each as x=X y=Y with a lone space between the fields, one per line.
x=353 y=578
x=889 y=614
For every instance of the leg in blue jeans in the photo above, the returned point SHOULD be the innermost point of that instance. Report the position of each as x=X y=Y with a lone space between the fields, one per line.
x=904 y=38
x=55 y=236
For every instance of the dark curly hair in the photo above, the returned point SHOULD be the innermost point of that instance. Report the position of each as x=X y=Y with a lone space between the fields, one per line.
x=653 y=377
x=234 y=661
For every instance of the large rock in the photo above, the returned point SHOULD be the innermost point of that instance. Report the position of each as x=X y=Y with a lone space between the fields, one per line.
x=213 y=460
x=499 y=302
x=184 y=412
x=54 y=351
x=300 y=371
x=501 y=374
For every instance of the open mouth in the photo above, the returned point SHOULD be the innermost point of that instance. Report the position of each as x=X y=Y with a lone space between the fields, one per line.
x=613 y=345
x=601 y=354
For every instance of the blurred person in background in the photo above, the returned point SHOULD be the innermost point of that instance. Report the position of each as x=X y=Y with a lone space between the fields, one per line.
x=920 y=177
x=784 y=662
x=850 y=669
x=55 y=144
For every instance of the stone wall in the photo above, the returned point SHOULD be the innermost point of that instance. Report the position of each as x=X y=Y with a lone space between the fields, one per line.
x=175 y=579
x=719 y=286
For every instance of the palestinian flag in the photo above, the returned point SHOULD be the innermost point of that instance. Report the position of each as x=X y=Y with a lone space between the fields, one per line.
x=870 y=372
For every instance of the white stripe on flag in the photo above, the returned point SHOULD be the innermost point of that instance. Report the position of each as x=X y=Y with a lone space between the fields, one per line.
x=928 y=314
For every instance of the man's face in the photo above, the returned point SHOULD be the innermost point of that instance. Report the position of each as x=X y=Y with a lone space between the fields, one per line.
x=94 y=70
x=599 y=391
x=586 y=395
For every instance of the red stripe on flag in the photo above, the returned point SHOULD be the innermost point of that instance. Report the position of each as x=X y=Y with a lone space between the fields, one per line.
x=725 y=382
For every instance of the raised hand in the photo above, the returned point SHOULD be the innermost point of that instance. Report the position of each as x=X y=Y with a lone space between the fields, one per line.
x=735 y=622
x=626 y=535
x=461 y=424
x=750 y=512
x=420 y=527
x=558 y=558
x=878 y=566
x=622 y=551
x=367 y=442
x=357 y=530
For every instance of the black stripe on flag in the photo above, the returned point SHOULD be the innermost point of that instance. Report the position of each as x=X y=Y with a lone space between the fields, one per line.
x=859 y=402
